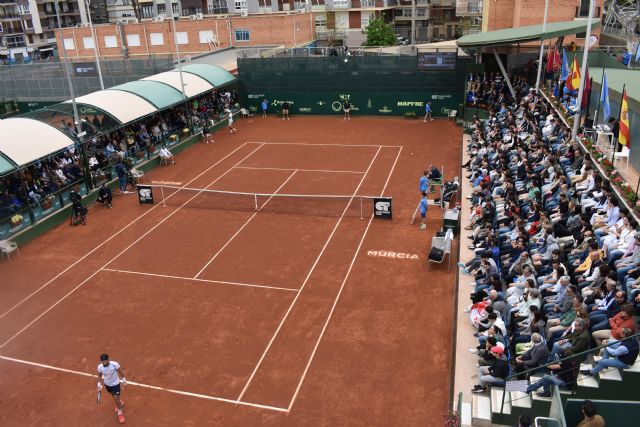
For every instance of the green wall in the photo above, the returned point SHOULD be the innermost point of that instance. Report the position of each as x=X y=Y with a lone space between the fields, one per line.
x=375 y=85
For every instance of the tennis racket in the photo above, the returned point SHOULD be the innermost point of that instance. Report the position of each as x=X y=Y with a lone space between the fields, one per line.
x=99 y=396
x=415 y=213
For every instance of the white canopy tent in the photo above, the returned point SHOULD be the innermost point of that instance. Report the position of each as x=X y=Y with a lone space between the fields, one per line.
x=193 y=85
x=26 y=140
x=124 y=106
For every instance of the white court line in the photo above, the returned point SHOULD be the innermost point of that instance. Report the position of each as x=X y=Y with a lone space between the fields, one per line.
x=107 y=240
x=153 y=387
x=320 y=145
x=222 y=282
x=299 y=170
x=244 y=225
x=306 y=280
x=123 y=251
x=335 y=302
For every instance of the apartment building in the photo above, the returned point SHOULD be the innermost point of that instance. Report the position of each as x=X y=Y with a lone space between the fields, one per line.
x=469 y=13
x=27 y=27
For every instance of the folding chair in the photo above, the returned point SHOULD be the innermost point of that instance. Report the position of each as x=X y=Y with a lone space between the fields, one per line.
x=6 y=247
x=444 y=244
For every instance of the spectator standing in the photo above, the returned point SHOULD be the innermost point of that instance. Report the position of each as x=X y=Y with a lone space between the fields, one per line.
x=427 y=112
x=346 y=106
x=591 y=418
x=265 y=106
x=121 y=171
x=285 y=110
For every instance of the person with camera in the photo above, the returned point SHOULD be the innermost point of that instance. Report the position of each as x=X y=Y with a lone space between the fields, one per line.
x=104 y=195
x=78 y=211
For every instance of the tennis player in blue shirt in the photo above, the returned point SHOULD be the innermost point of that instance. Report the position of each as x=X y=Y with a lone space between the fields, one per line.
x=423 y=210
x=424 y=182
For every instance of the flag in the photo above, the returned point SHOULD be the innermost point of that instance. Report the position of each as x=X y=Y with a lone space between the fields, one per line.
x=604 y=98
x=556 y=60
x=624 y=137
x=573 y=81
x=550 y=58
x=565 y=66
x=587 y=89
x=637 y=53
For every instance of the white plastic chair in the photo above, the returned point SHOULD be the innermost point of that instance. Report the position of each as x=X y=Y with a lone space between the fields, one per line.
x=6 y=247
x=624 y=153
x=453 y=114
x=443 y=243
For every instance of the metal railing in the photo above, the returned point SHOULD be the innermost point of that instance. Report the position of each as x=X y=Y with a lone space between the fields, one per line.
x=555 y=362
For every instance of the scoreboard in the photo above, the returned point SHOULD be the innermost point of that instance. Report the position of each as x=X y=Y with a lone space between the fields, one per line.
x=437 y=60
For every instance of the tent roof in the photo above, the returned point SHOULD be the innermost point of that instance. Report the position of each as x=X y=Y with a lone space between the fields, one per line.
x=193 y=85
x=215 y=75
x=26 y=140
x=124 y=106
x=159 y=94
x=525 y=34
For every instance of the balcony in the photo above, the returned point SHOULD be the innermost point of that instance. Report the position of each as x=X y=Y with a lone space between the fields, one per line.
x=443 y=3
x=9 y=16
x=472 y=8
x=8 y=3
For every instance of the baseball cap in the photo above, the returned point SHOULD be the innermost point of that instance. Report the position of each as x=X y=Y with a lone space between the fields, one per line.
x=497 y=350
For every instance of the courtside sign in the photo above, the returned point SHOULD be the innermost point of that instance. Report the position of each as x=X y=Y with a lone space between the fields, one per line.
x=382 y=207
x=145 y=194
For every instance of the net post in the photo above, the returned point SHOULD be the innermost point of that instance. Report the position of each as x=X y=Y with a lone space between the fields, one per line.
x=255 y=201
x=361 y=211
x=164 y=205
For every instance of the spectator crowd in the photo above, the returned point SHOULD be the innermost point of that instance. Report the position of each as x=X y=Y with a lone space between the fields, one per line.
x=556 y=269
x=109 y=153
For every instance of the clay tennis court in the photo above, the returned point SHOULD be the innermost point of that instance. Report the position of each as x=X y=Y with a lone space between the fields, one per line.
x=298 y=313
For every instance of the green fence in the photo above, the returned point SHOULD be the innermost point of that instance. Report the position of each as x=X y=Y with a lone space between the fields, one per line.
x=386 y=85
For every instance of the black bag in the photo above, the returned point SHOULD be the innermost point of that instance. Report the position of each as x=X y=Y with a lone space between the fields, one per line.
x=436 y=254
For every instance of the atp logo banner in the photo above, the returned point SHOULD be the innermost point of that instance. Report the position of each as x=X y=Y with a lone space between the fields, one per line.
x=145 y=194
x=382 y=207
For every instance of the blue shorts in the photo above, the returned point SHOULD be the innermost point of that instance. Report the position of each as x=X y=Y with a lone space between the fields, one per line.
x=423 y=214
x=113 y=389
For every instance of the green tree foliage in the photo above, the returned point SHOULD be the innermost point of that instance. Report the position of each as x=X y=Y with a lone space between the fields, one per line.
x=380 y=34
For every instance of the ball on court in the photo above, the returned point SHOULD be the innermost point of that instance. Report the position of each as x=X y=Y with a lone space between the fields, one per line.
x=412 y=154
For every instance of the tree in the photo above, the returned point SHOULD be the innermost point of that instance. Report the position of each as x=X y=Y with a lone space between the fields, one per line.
x=380 y=34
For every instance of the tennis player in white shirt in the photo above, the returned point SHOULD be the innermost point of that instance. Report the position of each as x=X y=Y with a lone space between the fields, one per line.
x=112 y=375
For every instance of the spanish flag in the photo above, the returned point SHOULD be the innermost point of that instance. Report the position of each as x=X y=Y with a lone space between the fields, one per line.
x=573 y=81
x=624 y=138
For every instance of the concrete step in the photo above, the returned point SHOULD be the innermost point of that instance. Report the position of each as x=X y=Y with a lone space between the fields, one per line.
x=466 y=415
x=520 y=399
x=587 y=380
x=610 y=375
x=481 y=411
x=496 y=401
x=635 y=367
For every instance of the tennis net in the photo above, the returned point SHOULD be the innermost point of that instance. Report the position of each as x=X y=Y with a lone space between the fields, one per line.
x=293 y=204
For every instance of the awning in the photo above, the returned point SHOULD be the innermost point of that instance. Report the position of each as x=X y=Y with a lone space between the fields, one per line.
x=159 y=94
x=215 y=75
x=529 y=33
x=124 y=106
x=193 y=85
x=45 y=49
x=25 y=140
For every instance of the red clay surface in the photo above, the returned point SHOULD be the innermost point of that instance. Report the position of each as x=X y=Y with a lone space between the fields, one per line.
x=222 y=309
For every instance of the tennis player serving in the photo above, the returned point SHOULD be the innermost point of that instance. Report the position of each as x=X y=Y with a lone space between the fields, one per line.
x=112 y=374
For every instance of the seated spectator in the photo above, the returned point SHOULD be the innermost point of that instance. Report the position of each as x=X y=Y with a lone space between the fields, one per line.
x=591 y=418
x=104 y=195
x=495 y=373
x=535 y=356
x=563 y=374
x=619 y=354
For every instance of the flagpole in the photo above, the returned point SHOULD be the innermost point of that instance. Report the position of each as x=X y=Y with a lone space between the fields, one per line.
x=544 y=29
x=613 y=149
x=588 y=95
x=595 y=118
x=576 y=117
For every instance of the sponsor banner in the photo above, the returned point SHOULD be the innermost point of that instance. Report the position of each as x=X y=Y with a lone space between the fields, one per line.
x=382 y=207
x=145 y=194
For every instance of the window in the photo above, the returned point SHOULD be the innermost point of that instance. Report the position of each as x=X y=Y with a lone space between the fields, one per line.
x=133 y=40
x=157 y=39
x=340 y=3
x=68 y=44
x=146 y=11
x=110 y=41
x=182 y=37
x=88 y=43
x=321 y=21
x=242 y=35
x=421 y=12
x=364 y=20
x=240 y=5
x=18 y=41
x=583 y=10
x=205 y=36
x=24 y=9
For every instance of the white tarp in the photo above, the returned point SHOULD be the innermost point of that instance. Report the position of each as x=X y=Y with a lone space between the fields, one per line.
x=193 y=85
x=122 y=105
x=25 y=140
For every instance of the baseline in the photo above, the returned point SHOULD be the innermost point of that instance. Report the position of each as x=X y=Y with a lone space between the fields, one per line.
x=119 y=254
x=323 y=144
x=221 y=282
x=306 y=280
x=133 y=383
x=25 y=299
x=335 y=302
